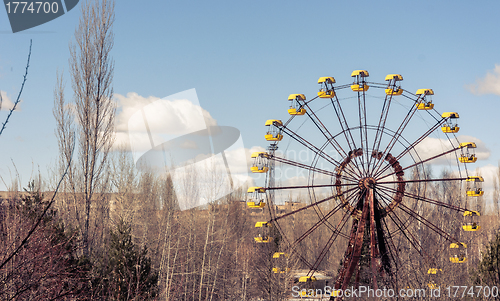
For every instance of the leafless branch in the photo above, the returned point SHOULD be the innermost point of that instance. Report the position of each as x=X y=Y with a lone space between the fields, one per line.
x=19 y=95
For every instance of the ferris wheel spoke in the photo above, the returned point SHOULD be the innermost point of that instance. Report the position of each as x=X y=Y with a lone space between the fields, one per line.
x=289 y=120
x=363 y=134
x=405 y=231
x=376 y=85
x=427 y=223
x=413 y=241
x=342 y=87
x=411 y=147
x=330 y=242
x=421 y=162
x=392 y=247
x=352 y=198
x=381 y=124
x=307 y=167
x=344 y=126
x=397 y=135
x=343 y=122
x=423 y=180
x=323 y=220
x=293 y=245
x=350 y=170
x=428 y=200
x=327 y=223
x=411 y=96
x=324 y=130
x=311 y=147
x=302 y=258
x=309 y=206
x=319 y=223
x=381 y=197
x=330 y=138
x=387 y=199
x=314 y=186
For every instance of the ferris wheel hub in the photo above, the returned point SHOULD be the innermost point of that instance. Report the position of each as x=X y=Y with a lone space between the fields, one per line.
x=366 y=183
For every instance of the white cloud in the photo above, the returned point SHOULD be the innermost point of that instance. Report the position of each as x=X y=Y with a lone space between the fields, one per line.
x=430 y=147
x=7 y=104
x=489 y=174
x=180 y=125
x=166 y=118
x=127 y=106
x=490 y=84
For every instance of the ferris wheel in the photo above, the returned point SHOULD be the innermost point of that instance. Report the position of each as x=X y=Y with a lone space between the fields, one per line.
x=357 y=153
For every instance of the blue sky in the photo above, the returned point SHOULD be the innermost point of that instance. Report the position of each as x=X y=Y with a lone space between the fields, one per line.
x=245 y=57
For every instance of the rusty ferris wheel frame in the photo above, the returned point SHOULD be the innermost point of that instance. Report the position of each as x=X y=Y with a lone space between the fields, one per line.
x=368 y=183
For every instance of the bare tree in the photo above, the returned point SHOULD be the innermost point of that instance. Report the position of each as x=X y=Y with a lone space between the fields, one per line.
x=496 y=192
x=91 y=69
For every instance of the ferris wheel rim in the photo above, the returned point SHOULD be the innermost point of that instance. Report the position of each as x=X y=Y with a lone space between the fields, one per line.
x=367 y=180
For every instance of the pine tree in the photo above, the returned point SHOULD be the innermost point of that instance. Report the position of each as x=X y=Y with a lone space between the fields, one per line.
x=488 y=270
x=47 y=266
x=127 y=273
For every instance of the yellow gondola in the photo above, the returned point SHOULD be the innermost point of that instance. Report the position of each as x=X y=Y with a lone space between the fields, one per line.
x=259 y=162
x=261 y=225
x=307 y=279
x=468 y=145
x=474 y=190
x=396 y=77
x=433 y=273
x=450 y=127
x=458 y=251
x=359 y=85
x=279 y=254
x=425 y=104
x=391 y=88
x=263 y=237
x=467 y=157
x=255 y=199
x=477 y=192
x=277 y=270
x=308 y=293
x=260 y=239
x=280 y=260
x=274 y=132
x=471 y=221
x=326 y=87
x=295 y=107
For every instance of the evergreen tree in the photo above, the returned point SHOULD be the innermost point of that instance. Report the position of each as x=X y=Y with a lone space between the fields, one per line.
x=47 y=266
x=488 y=271
x=126 y=273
